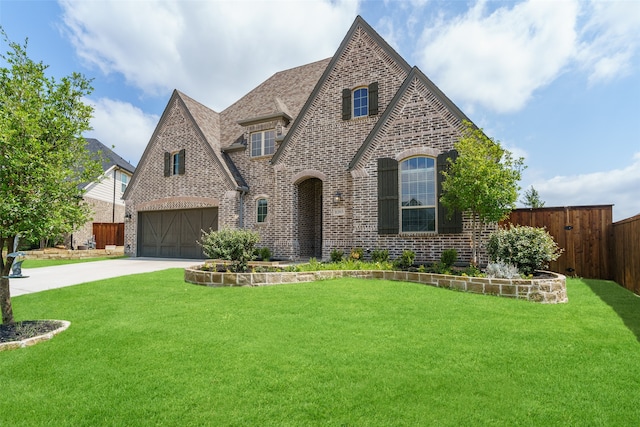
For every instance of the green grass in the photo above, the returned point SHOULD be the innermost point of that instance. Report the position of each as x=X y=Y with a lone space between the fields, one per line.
x=37 y=263
x=152 y=350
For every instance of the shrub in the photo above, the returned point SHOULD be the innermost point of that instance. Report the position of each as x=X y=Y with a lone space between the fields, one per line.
x=336 y=255
x=265 y=253
x=448 y=258
x=357 y=254
x=528 y=248
x=380 y=255
x=233 y=245
x=405 y=260
x=502 y=270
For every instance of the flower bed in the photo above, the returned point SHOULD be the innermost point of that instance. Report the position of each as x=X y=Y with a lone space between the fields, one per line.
x=549 y=289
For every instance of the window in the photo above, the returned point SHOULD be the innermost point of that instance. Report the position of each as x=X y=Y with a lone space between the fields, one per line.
x=263 y=143
x=361 y=102
x=418 y=194
x=174 y=163
x=124 y=181
x=262 y=210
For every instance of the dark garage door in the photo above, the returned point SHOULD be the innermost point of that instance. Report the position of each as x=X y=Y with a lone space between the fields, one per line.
x=173 y=234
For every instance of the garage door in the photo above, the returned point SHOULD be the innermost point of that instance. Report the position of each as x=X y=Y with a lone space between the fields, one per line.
x=173 y=234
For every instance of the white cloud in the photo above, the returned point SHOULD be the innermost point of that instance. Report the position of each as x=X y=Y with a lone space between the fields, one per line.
x=610 y=39
x=214 y=51
x=498 y=59
x=122 y=126
x=617 y=186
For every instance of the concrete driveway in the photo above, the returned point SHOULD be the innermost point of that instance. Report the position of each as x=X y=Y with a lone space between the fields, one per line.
x=44 y=278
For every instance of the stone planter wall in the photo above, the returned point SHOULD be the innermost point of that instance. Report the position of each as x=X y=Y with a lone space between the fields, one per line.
x=53 y=253
x=548 y=290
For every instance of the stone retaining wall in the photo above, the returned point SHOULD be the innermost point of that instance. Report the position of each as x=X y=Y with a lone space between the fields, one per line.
x=548 y=290
x=53 y=253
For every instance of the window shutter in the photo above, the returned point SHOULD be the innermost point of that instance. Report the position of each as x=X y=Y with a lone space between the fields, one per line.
x=446 y=225
x=388 y=208
x=167 y=163
x=346 y=104
x=373 y=99
x=182 y=162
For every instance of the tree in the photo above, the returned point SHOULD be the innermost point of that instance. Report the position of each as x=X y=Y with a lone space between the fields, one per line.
x=482 y=180
x=43 y=157
x=532 y=198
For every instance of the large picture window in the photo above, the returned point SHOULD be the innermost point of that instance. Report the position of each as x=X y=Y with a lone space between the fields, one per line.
x=263 y=143
x=418 y=194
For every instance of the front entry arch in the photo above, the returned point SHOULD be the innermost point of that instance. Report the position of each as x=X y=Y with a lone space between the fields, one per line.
x=310 y=218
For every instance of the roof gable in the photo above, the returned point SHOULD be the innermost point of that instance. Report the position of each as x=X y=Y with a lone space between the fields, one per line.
x=437 y=99
x=359 y=24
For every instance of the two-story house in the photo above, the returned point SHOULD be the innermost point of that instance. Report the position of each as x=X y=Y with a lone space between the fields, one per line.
x=337 y=154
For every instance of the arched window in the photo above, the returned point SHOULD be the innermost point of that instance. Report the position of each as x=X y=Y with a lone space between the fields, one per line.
x=418 y=194
x=262 y=210
x=361 y=102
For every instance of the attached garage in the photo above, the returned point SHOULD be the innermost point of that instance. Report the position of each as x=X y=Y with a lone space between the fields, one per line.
x=173 y=234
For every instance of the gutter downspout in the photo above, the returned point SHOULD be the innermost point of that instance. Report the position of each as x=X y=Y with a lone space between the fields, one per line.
x=113 y=206
x=243 y=190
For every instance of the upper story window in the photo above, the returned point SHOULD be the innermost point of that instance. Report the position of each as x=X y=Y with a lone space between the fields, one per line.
x=124 y=181
x=263 y=143
x=174 y=163
x=418 y=194
x=262 y=210
x=361 y=102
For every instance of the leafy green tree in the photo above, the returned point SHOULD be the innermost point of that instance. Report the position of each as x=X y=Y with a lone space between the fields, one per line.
x=43 y=157
x=532 y=198
x=482 y=180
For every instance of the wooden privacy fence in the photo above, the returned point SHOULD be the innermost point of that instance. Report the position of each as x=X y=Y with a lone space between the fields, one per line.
x=107 y=233
x=626 y=253
x=584 y=232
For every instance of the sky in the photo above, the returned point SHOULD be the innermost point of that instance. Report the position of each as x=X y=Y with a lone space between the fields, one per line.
x=555 y=82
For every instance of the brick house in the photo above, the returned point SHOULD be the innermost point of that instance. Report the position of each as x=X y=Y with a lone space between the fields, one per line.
x=337 y=154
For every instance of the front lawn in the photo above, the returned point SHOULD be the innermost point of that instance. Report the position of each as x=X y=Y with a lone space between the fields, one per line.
x=37 y=263
x=152 y=350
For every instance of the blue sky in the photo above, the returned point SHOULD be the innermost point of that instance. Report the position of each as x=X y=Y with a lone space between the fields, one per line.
x=556 y=82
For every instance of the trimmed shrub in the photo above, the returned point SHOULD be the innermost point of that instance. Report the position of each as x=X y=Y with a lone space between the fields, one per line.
x=528 y=248
x=265 y=253
x=405 y=260
x=380 y=255
x=233 y=245
x=336 y=255
x=356 y=254
x=448 y=258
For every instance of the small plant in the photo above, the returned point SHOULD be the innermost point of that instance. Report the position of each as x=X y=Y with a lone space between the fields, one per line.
x=421 y=268
x=502 y=270
x=265 y=254
x=380 y=255
x=232 y=245
x=405 y=260
x=528 y=248
x=336 y=255
x=448 y=258
x=472 y=271
x=356 y=254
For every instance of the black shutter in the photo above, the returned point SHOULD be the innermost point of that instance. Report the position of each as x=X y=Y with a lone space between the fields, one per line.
x=447 y=223
x=167 y=163
x=181 y=164
x=388 y=208
x=346 y=104
x=373 y=99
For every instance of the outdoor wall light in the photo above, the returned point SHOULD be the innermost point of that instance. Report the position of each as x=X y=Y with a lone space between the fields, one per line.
x=337 y=197
x=127 y=216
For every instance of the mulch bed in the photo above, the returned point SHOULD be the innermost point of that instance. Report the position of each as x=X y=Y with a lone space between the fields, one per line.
x=26 y=329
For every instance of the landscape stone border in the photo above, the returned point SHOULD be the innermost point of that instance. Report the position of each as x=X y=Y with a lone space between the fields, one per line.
x=549 y=290
x=35 y=340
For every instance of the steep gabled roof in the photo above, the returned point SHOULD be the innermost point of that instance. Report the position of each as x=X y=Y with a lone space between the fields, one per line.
x=280 y=96
x=108 y=157
x=358 y=22
x=440 y=96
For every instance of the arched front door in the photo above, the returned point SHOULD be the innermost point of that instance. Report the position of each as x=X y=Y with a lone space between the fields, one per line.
x=310 y=218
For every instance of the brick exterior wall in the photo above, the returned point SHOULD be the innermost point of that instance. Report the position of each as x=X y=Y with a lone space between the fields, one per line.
x=314 y=164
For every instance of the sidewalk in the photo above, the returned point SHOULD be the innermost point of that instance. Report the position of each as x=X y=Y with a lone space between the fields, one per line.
x=44 y=278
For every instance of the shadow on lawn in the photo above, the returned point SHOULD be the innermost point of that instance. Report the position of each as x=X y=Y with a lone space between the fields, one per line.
x=624 y=302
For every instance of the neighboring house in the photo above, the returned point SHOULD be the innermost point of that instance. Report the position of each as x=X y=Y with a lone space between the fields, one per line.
x=337 y=154
x=105 y=197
